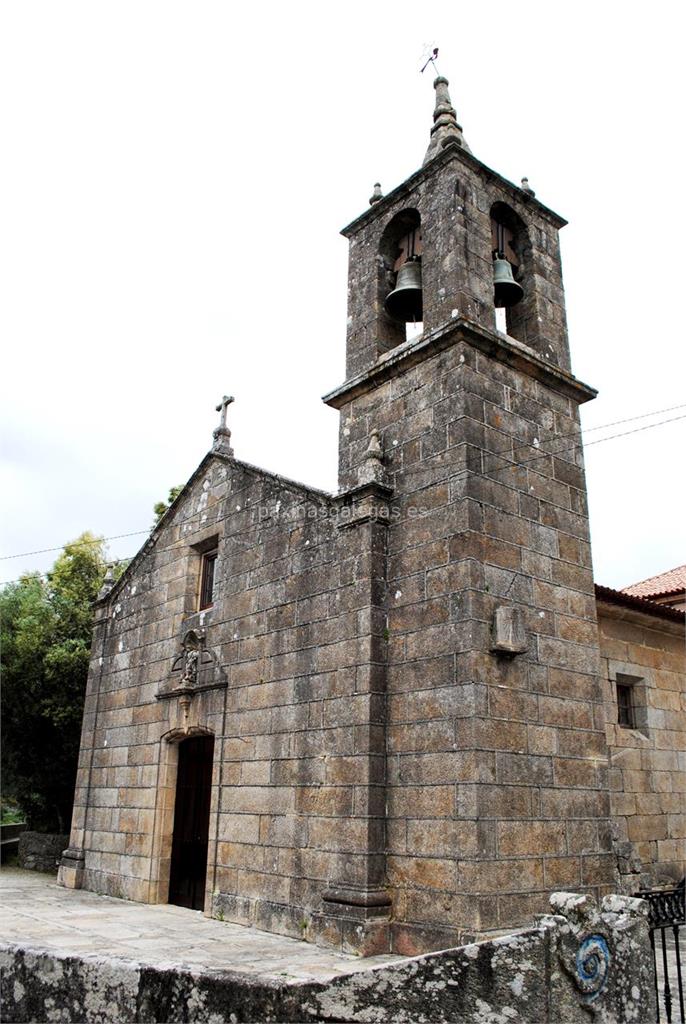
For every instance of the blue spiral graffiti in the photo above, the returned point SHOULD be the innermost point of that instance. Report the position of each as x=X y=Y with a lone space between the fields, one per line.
x=592 y=965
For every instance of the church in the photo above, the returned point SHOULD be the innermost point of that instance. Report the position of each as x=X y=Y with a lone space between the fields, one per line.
x=397 y=717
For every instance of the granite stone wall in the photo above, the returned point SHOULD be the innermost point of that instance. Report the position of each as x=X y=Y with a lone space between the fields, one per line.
x=403 y=681
x=647 y=762
x=497 y=763
x=287 y=691
x=454 y=195
x=40 y=851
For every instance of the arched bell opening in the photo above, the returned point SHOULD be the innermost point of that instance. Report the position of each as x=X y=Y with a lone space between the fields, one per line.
x=513 y=293
x=400 y=278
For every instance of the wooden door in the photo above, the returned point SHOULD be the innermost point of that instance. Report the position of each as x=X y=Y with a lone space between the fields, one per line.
x=191 y=823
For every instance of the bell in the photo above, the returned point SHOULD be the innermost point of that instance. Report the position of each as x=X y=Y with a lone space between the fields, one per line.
x=507 y=291
x=404 y=303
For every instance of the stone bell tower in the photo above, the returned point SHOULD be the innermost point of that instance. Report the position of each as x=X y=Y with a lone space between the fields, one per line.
x=496 y=788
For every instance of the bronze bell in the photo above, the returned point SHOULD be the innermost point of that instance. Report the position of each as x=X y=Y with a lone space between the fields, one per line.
x=404 y=303
x=507 y=291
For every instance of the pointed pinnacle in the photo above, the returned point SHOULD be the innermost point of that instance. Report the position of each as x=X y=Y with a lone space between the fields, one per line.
x=445 y=131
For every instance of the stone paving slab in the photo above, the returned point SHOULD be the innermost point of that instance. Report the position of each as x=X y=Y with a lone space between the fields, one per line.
x=37 y=913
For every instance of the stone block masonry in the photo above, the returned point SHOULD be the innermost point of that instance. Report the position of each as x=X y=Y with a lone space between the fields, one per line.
x=41 y=852
x=648 y=757
x=497 y=776
x=401 y=682
x=382 y=778
x=290 y=699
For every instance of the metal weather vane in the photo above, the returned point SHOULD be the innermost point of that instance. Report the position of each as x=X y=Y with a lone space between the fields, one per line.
x=431 y=52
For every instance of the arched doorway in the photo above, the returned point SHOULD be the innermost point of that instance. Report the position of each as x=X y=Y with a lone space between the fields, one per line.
x=191 y=822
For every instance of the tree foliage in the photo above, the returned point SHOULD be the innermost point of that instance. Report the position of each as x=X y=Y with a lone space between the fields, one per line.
x=163 y=507
x=45 y=642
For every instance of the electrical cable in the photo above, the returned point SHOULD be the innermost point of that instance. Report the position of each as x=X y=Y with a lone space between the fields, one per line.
x=511 y=465
x=523 y=444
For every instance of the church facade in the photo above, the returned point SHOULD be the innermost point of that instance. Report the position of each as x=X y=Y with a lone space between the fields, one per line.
x=377 y=719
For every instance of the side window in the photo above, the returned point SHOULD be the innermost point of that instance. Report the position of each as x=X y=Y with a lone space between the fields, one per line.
x=632 y=702
x=207 y=572
x=625 y=705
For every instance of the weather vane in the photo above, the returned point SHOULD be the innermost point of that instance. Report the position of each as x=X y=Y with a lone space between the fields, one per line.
x=431 y=59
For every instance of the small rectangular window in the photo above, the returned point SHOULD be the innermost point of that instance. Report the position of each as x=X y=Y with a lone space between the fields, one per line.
x=209 y=561
x=625 y=706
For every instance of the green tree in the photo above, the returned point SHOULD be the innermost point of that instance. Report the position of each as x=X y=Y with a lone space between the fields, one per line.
x=163 y=506
x=45 y=643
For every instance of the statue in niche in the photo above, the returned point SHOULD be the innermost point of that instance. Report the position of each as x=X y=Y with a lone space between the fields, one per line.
x=190 y=668
x=197 y=668
x=193 y=645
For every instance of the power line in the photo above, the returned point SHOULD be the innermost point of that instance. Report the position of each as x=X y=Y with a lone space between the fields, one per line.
x=503 y=452
x=630 y=419
x=44 y=575
x=511 y=465
x=96 y=540
x=559 y=435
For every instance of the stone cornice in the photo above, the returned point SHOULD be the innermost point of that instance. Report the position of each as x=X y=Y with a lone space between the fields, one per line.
x=649 y=619
x=500 y=346
x=448 y=154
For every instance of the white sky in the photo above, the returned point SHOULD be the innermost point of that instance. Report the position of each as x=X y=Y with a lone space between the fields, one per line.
x=173 y=181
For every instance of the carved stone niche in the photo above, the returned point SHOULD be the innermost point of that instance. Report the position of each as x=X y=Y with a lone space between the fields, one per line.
x=195 y=669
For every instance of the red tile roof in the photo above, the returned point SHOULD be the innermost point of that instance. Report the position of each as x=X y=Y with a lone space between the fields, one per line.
x=671 y=582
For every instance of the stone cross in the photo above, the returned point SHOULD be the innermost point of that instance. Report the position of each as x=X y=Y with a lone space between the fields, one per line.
x=222 y=408
x=222 y=434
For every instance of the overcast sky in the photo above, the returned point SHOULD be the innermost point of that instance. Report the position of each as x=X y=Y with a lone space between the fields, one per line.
x=173 y=182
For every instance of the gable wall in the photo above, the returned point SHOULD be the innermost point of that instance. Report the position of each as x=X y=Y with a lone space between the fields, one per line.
x=286 y=629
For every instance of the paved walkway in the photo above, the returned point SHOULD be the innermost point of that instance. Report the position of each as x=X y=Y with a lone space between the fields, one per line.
x=38 y=913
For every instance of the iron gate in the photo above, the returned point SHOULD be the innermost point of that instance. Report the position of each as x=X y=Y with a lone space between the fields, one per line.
x=667 y=916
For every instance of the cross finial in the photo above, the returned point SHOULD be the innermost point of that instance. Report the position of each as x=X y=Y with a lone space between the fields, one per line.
x=222 y=435
x=222 y=407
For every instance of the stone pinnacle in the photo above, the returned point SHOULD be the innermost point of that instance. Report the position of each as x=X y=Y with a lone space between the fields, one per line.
x=446 y=130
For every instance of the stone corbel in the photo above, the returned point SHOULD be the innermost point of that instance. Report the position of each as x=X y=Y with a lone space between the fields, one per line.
x=364 y=503
x=368 y=501
x=509 y=634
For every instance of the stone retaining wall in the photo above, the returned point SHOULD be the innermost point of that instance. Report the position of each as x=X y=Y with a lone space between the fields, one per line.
x=41 y=851
x=580 y=960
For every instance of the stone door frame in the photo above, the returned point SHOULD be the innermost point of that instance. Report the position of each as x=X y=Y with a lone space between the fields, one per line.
x=163 y=828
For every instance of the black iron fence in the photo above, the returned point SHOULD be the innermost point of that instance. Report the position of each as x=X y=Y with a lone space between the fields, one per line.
x=667 y=916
